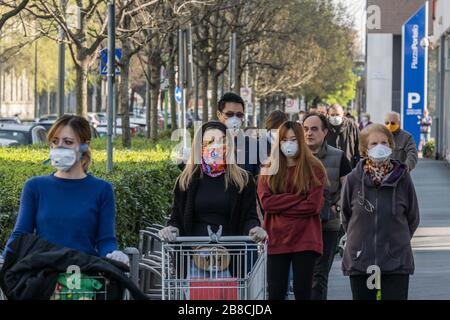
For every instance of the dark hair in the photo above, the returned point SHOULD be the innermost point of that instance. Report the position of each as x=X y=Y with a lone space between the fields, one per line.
x=275 y=119
x=214 y=124
x=230 y=97
x=323 y=119
x=82 y=129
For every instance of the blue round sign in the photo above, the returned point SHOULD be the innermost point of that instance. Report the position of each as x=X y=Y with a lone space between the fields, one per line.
x=178 y=95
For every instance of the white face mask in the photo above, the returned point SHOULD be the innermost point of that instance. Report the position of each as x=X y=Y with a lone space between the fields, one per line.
x=233 y=123
x=336 y=120
x=289 y=148
x=63 y=159
x=379 y=153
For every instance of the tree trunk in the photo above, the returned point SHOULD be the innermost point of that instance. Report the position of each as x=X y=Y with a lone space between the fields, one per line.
x=98 y=97
x=155 y=81
x=172 y=83
x=262 y=112
x=124 y=102
x=214 y=98
x=81 y=87
x=132 y=97
x=204 y=93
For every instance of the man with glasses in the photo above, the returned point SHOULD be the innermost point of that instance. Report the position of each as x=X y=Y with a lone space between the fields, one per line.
x=405 y=148
x=231 y=113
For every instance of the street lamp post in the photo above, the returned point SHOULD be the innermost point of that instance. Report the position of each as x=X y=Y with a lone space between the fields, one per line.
x=61 y=66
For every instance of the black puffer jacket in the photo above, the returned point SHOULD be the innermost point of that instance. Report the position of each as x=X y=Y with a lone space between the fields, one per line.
x=380 y=222
x=31 y=270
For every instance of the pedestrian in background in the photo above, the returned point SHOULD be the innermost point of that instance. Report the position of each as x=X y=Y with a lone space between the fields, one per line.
x=322 y=109
x=365 y=121
x=343 y=134
x=425 y=128
x=380 y=214
x=337 y=167
x=405 y=148
x=292 y=198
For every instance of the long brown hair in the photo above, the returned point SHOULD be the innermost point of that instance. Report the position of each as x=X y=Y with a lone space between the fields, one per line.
x=306 y=165
x=82 y=129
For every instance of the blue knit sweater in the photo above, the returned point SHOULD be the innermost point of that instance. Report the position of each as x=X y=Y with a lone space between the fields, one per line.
x=78 y=214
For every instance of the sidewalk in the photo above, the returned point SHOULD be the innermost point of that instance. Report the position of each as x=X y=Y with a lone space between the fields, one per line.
x=431 y=243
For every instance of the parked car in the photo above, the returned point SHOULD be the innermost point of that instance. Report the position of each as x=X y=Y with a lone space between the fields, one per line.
x=102 y=129
x=22 y=134
x=48 y=117
x=93 y=119
x=47 y=124
x=11 y=120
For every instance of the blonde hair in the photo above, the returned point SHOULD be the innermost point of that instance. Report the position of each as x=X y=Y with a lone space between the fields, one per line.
x=233 y=173
x=367 y=131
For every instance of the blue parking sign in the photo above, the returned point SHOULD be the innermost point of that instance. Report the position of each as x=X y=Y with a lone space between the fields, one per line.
x=104 y=61
x=415 y=68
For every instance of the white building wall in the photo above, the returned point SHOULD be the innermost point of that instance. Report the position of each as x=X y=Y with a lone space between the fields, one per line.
x=379 y=75
x=442 y=22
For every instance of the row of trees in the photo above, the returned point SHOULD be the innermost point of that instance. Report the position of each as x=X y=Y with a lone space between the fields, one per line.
x=286 y=47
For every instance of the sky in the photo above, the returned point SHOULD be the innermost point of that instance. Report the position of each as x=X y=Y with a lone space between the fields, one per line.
x=357 y=9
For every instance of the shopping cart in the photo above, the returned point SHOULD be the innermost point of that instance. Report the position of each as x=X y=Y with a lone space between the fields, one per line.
x=90 y=287
x=214 y=268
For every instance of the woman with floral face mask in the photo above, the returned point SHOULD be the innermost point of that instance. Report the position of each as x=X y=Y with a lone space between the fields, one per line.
x=213 y=191
x=292 y=196
x=70 y=207
x=380 y=215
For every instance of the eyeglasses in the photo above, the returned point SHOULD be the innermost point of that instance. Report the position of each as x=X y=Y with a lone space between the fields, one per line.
x=390 y=123
x=230 y=114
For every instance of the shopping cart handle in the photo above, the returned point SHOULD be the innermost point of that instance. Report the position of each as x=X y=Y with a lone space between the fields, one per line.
x=218 y=239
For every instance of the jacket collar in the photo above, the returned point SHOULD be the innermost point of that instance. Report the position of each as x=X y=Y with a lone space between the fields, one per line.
x=323 y=151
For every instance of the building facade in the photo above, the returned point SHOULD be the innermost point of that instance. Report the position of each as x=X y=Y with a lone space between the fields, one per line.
x=440 y=40
x=385 y=19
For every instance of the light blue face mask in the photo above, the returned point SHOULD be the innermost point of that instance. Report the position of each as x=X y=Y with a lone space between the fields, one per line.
x=63 y=159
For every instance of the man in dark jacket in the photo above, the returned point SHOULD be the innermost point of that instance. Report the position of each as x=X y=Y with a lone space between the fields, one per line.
x=231 y=113
x=405 y=149
x=343 y=134
x=31 y=269
x=337 y=165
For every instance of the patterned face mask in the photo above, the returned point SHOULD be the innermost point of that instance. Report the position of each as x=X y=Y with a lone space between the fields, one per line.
x=213 y=159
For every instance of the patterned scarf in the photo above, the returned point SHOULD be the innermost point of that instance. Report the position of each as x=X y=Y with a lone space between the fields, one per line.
x=378 y=171
x=213 y=160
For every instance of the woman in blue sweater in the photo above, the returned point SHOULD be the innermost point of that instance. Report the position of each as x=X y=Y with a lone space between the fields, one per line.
x=70 y=207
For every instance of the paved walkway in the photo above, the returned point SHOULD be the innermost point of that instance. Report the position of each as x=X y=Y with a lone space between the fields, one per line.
x=431 y=243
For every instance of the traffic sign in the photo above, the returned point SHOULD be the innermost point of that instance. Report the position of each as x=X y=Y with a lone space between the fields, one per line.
x=178 y=95
x=104 y=61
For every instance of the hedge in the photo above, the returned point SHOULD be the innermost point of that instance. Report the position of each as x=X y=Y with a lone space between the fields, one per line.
x=143 y=179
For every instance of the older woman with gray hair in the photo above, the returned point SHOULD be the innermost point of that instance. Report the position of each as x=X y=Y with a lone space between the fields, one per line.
x=405 y=147
x=380 y=214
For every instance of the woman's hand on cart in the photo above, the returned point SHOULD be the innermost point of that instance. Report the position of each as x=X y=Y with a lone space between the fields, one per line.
x=169 y=233
x=258 y=234
x=119 y=256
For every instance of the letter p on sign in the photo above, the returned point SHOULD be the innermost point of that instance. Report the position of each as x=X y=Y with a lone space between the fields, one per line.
x=413 y=98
